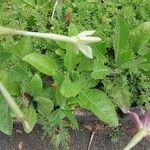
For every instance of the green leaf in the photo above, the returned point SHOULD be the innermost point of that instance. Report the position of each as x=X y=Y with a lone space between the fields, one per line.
x=23 y=48
x=140 y=35
x=6 y=121
x=42 y=63
x=85 y=64
x=100 y=70
x=35 y=86
x=31 y=117
x=4 y=56
x=16 y=73
x=121 y=94
x=121 y=37
x=71 y=117
x=69 y=88
x=70 y=58
x=87 y=81
x=99 y=103
x=44 y=105
x=55 y=117
x=72 y=30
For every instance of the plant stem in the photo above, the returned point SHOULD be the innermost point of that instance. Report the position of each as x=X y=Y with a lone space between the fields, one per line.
x=11 y=102
x=51 y=36
x=136 y=139
x=54 y=9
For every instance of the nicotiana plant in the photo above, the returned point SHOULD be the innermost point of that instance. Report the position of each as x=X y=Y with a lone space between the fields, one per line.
x=48 y=86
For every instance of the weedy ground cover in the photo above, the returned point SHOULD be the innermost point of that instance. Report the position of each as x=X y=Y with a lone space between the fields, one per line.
x=45 y=80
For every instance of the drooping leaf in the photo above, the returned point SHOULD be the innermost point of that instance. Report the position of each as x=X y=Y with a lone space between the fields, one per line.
x=35 y=86
x=69 y=88
x=99 y=103
x=31 y=117
x=6 y=121
x=140 y=35
x=42 y=63
x=44 y=105
x=121 y=37
x=16 y=73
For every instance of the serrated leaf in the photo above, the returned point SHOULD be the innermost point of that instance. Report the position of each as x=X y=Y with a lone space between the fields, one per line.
x=100 y=70
x=99 y=103
x=140 y=35
x=16 y=73
x=35 y=86
x=71 y=117
x=121 y=37
x=69 y=88
x=42 y=63
x=44 y=105
x=31 y=117
x=6 y=121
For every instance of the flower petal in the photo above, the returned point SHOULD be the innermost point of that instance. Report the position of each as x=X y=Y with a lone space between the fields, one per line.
x=135 y=118
x=146 y=121
x=86 y=50
x=86 y=33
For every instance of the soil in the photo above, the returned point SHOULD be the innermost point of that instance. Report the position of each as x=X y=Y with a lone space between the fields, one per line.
x=105 y=138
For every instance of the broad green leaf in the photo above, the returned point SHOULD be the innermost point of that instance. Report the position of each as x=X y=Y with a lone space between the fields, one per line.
x=4 y=56
x=85 y=64
x=100 y=70
x=124 y=58
x=146 y=65
x=23 y=48
x=99 y=51
x=31 y=117
x=87 y=81
x=44 y=105
x=16 y=73
x=121 y=94
x=140 y=35
x=55 y=117
x=42 y=63
x=121 y=37
x=35 y=86
x=100 y=104
x=71 y=117
x=6 y=121
x=69 y=88
x=70 y=59
x=60 y=99
x=11 y=86
x=72 y=30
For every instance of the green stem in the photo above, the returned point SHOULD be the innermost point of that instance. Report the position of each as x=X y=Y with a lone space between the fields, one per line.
x=11 y=102
x=136 y=139
x=15 y=108
x=51 y=36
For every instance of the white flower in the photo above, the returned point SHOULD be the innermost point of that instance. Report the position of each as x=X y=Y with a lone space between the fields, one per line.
x=84 y=39
x=80 y=41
